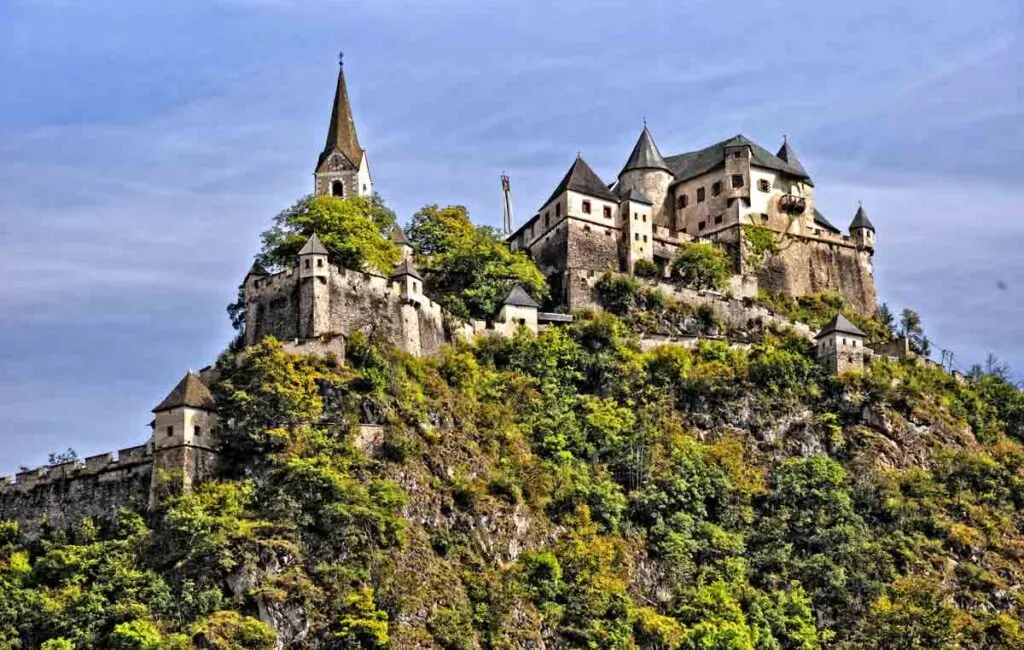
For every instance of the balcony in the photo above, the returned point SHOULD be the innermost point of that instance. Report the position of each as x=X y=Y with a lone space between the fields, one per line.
x=792 y=204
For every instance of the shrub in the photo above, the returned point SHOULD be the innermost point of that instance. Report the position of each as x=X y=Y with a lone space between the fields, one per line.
x=617 y=293
x=702 y=266
x=645 y=269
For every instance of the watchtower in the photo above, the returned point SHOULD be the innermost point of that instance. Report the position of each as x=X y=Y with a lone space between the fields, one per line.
x=839 y=346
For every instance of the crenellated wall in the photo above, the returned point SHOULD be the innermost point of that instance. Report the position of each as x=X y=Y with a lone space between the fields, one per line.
x=60 y=495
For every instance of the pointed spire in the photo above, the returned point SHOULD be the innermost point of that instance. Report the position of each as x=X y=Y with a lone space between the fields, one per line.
x=398 y=236
x=341 y=134
x=190 y=392
x=787 y=154
x=407 y=268
x=860 y=220
x=313 y=246
x=581 y=178
x=645 y=154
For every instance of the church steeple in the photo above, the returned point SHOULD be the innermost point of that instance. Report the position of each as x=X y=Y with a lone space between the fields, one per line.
x=342 y=169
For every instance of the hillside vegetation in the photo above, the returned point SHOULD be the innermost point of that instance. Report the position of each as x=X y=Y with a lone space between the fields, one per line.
x=560 y=490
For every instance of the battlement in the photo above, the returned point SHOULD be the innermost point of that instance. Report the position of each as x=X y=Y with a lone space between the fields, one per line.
x=91 y=466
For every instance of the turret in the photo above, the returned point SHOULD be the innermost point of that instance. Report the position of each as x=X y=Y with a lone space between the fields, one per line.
x=409 y=279
x=182 y=434
x=313 y=259
x=519 y=309
x=399 y=239
x=637 y=226
x=256 y=273
x=839 y=346
x=647 y=172
x=862 y=231
x=342 y=169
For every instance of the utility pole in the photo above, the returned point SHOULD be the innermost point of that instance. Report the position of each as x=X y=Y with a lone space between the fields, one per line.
x=506 y=195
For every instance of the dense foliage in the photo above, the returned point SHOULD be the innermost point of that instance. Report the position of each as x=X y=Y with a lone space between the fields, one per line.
x=569 y=488
x=702 y=265
x=354 y=230
x=469 y=266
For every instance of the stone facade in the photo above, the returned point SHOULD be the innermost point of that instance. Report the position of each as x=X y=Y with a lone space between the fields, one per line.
x=705 y=195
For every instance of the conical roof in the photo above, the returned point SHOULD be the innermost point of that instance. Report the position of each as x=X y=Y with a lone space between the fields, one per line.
x=398 y=236
x=787 y=154
x=581 y=178
x=191 y=392
x=341 y=133
x=407 y=268
x=841 y=325
x=519 y=298
x=256 y=269
x=313 y=246
x=860 y=220
x=645 y=155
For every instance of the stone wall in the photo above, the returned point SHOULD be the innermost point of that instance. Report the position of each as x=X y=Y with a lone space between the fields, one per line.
x=61 y=495
x=807 y=265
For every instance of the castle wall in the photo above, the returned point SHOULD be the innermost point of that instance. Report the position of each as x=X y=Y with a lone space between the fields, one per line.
x=272 y=308
x=592 y=246
x=61 y=495
x=807 y=265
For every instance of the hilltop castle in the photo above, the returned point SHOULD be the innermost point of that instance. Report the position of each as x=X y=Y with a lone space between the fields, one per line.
x=657 y=204
x=586 y=227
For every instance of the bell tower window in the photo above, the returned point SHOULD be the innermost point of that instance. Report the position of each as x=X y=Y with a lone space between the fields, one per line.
x=338 y=189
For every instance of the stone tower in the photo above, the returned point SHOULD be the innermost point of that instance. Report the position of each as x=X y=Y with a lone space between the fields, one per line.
x=839 y=346
x=314 y=289
x=647 y=172
x=862 y=231
x=183 y=449
x=342 y=169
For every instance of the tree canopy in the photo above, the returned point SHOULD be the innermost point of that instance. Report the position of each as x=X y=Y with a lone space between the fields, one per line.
x=702 y=265
x=354 y=230
x=469 y=267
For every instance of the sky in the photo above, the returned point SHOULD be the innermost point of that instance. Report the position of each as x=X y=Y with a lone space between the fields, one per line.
x=144 y=146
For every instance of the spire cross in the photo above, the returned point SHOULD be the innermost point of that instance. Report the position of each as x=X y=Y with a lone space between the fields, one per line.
x=341 y=58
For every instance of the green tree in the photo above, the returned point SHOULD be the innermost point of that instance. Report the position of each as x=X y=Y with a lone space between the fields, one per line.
x=913 y=614
x=469 y=266
x=354 y=230
x=702 y=266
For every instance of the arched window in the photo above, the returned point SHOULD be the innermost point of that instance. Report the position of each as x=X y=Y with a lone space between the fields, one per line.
x=337 y=189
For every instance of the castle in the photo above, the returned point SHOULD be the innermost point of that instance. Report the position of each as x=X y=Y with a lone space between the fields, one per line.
x=657 y=204
x=585 y=228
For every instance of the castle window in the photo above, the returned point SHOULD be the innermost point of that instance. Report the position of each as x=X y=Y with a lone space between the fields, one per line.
x=170 y=431
x=320 y=262
x=701 y=225
x=607 y=212
x=718 y=219
x=700 y=195
x=737 y=180
x=197 y=430
x=764 y=185
x=558 y=209
x=736 y=154
x=644 y=218
x=306 y=263
x=716 y=188
x=337 y=189
x=636 y=236
x=364 y=187
x=586 y=228
x=680 y=202
x=547 y=219
x=586 y=207
x=645 y=238
x=764 y=217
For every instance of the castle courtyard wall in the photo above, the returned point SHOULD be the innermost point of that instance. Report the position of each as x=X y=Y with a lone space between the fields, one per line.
x=806 y=265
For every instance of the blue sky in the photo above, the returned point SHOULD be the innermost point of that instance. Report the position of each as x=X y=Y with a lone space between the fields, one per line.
x=144 y=147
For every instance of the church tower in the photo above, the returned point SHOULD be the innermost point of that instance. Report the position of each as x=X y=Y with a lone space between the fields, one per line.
x=342 y=169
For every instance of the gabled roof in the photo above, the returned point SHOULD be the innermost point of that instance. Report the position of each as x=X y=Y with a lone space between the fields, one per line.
x=341 y=133
x=840 y=324
x=398 y=236
x=581 y=178
x=786 y=154
x=820 y=220
x=645 y=155
x=191 y=392
x=313 y=246
x=519 y=298
x=860 y=220
x=407 y=268
x=633 y=194
x=694 y=163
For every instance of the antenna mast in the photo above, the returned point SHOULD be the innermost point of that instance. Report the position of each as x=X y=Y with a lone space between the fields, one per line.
x=506 y=204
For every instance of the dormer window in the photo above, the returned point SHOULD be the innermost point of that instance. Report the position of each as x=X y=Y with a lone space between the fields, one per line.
x=586 y=207
x=700 y=195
